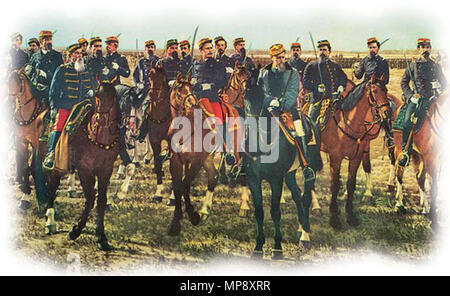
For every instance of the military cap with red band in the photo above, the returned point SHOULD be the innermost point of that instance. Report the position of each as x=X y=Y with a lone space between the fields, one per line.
x=423 y=41
x=238 y=40
x=204 y=41
x=44 y=33
x=296 y=45
x=184 y=43
x=82 y=41
x=276 y=49
x=149 y=42
x=95 y=39
x=171 y=42
x=112 y=39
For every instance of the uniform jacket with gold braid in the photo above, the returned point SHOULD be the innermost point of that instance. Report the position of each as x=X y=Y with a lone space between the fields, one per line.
x=373 y=64
x=123 y=70
x=332 y=74
x=298 y=64
x=69 y=87
x=423 y=71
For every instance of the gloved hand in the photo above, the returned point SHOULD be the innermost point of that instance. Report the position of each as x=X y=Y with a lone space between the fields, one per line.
x=415 y=98
x=140 y=86
x=42 y=73
x=171 y=82
x=229 y=70
x=115 y=66
x=274 y=104
x=27 y=69
x=435 y=84
x=193 y=81
x=90 y=94
x=105 y=71
x=340 y=89
x=206 y=86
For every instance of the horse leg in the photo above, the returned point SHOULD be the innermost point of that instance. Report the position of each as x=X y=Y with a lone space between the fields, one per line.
x=254 y=184
x=399 y=205
x=23 y=174
x=245 y=202
x=103 y=182
x=421 y=178
x=212 y=182
x=275 y=212
x=391 y=181
x=121 y=171
x=335 y=170
x=433 y=195
x=87 y=180
x=367 y=166
x=190 y=174
x=156 y=147
x=316 y=210
x=176 y=170
x=353 y=166
x=71 y=190
x=303 y=227
x=129 y=173
x=147 y=150
x=53 y=185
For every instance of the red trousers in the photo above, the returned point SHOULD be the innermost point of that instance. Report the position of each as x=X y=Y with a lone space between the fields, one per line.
x=61 y=119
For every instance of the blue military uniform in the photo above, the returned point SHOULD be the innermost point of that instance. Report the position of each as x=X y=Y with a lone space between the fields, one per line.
x=68 y=88
x=43 y=65
x=297 y=63
x=172 y=66
x=19 y=58
x=115 y=74
x=424 y=72
x=370 y=65
x=240 y=59
x=210 y=77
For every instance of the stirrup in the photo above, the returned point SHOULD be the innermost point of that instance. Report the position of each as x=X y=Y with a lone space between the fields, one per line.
x=49 y=159
x=313 y=175
x=403 y=155
x=235 y=171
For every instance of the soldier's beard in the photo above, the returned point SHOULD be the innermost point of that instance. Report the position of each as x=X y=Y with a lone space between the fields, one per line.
x=174 y=55
x=322 y=57
x=48 y=46
x=99 y=53
x=220 y=51
x=79 y=65
x=296 y=55
x=426 y=54
x=242 y=51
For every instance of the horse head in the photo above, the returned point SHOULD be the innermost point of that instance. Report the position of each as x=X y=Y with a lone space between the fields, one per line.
x=239 y=75
x=106 y=97
x=378 y=98
x=181 y=97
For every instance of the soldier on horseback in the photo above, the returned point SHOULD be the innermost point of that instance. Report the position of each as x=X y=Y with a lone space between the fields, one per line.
x=84 y=45
x=280 y=84
x=172 y=63
x=42 y=66
x=18 y=57
x=295 y=61
x=240 y=55
x=221 y=46
x=33 y=47
x=324 y=79
x=116 y=63
x=428 y=81
x=71 y=84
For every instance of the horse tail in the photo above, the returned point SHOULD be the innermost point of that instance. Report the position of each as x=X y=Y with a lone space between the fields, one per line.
x=313 y=154
x=40 y=179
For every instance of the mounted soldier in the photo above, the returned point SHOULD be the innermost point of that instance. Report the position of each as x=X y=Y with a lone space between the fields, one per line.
x=96 y=62
x=42 y=66
x=84 y=45
x=280 y=84
x=71 y=84
x=33 y=47
x=240 y=55
x=372 y=64
x=116 y=63
x=171 y=63
x=18 y=57
x=186 y=61
x=323 y=80
x=428 y=81
x=296 y=61
x=140 y=77
x=221 y=46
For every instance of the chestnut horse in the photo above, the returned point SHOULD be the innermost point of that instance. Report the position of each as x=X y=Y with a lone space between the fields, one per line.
x=426 y=155
x=93 y=148
x=345 y=136
x=28 y=115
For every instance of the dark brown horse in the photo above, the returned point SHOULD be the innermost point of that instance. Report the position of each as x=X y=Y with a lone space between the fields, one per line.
x=27 y=115
x=93 y=148
x=158 y=121
x=186 y=162
x=345 y=136
x=426 y=156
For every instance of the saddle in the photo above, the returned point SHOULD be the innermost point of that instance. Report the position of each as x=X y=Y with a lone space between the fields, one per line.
x=400 y=120
x=76 y=117
x=288 y=122
x=227 y=109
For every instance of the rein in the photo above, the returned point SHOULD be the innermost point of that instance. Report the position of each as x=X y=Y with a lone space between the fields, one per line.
x=240 y=88
x=92 y=136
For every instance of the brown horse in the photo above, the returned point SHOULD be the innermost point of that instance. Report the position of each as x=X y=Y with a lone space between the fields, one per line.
x=186 y=162
x=426 y=156
x=28 y=118
x=235 y=88
x=93 y=148
x=158 y=121
x=345 y=136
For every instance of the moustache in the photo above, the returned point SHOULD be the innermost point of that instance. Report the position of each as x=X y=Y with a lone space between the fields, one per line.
x=296 y=55
x=99 y=53
x=183 y=54
x=426 y=54
x=175 y=55
x=242 y=51
x=150 y=52
x=49 y=46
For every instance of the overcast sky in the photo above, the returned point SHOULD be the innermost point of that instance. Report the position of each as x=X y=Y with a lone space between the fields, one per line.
x=346 y=24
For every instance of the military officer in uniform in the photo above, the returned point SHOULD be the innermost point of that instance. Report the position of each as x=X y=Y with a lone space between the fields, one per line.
x=140 y=77
x=280 y=84
x=117 y=64
x=33 y=46
x=18 y=57
x=84 y=45
x=324 y=79
x=240 y=55
x=427 y=82
x=43 y=65
x=221 y=46
x=295 y=61
x=96 y=62
x=71 y=84
x=186 y=62
x=171 y=63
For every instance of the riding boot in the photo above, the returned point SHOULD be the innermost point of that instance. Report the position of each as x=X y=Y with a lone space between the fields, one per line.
x=143 y=129
x=407 y=128
x=387 y=126
x=301 y=141
x=49 y=160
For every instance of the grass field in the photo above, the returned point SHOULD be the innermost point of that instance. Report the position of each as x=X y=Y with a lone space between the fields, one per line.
x=137 y=229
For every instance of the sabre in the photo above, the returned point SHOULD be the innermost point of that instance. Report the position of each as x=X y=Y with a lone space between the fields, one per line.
x=318 y=64
x=192 y=50
x=386 y=40
x=296 y=40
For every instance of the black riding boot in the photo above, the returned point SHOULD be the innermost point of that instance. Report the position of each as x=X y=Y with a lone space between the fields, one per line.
x=407 y=127
x=387 y=126
x=49 y=160
x=308 y=173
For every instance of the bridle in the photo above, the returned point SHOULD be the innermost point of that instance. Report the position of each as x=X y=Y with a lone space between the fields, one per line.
x=182 y=101
x=234 y=79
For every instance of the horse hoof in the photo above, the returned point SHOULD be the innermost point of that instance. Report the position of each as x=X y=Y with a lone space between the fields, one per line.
x=316 y=212
x=108 y=208
x=51 y=229
x=74 y=233
x=104 y=246
x=24 y=205
x=157 y=199
x=243 y=213
x=174 y=229
x=400 y=210
x=353 y=221
x=277 y=255
x=195 y=219
x=335 y=222
x=391 y=188
x=257 y=255
x=171 y=202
